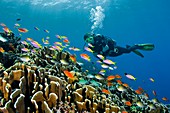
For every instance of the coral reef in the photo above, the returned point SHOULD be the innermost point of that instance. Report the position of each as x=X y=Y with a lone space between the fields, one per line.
x=37 y=82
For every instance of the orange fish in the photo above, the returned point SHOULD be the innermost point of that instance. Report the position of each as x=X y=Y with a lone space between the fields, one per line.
x=165 y=99
x=138 y=92
x=118 y=76
x=128 y=103
x=124 y=112
x=73 y=58
x=105 y=91
x=2 y=50
x=111 y=77
x=23 y=30
x=109 y=84
x=6 y=30
x=85 y=56
x=66 y=41
x=119 y=81
x=126 y=85
x=141 y=89
x=68 y=74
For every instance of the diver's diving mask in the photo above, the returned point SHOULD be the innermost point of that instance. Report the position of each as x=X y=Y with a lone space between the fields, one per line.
x=90 y=39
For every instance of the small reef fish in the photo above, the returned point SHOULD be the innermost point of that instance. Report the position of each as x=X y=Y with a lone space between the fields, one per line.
x=121 y=88
x=139 y=91
x=99 y=77
x=63 y=37
x=118 y=76
x=2 y=50
x=24 y=42
x=58 y=36
x=18 y=19
x=111 y=77
x=22 y=30
x=154 y=92
x=57 y=48
x=66 y=41
x=102 y=71
x=36 y=28
x=25 y=58
x=151 y=79
x=2 y=24
x=90 y=45
x=100 y=56
x=36 y=44
x=104 y=66
x=165 y=99
x=45 y=30
x=88 y=49
x=58 y=43
x=124 y=112
x=30 y=39
x=73 y=58
x=125 y=85
x=119 y=82
x=16 y=25
x=109 y=62
x=6 y=29
x=74 y=49
x=68 y=74
x=25 y=49
x=128 y=103
x=85 y=56
x=106 y=91
x=109 y=83
x=131 y=77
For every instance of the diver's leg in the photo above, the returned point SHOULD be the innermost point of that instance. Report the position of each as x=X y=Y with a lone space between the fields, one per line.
x=132 y=48
x=119 y=51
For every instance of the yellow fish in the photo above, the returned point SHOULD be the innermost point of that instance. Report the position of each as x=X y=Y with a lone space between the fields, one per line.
x=107 y=61
x=131 y=77
x=88 y=49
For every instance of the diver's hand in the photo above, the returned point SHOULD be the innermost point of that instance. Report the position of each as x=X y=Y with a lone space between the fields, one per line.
x=105 y=48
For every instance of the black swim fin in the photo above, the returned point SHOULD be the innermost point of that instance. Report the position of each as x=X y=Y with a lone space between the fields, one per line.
x=146 y=47
x=138 y=53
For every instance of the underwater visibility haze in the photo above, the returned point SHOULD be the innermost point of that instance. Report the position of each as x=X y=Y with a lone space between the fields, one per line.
x=128 y=22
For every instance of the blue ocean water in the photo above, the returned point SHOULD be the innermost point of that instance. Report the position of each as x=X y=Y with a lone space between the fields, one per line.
x=126 y=21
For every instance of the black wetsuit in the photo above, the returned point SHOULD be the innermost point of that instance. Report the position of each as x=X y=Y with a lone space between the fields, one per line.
x=101 y=41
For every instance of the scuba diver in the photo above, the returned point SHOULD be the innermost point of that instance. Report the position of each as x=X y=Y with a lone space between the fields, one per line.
x=107 y=47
